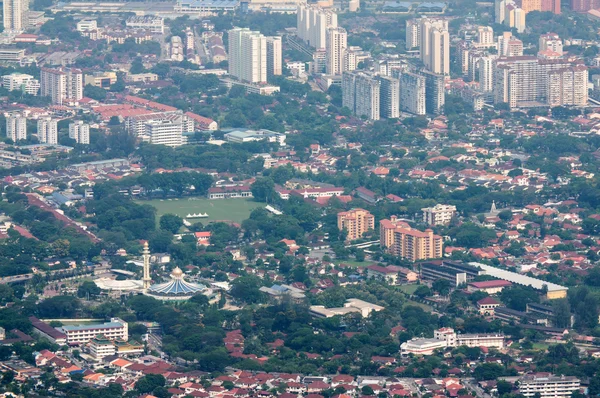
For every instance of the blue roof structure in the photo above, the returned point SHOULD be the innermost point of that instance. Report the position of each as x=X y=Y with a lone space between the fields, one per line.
x=176 y=288
x=432 y=5
x=397 y=4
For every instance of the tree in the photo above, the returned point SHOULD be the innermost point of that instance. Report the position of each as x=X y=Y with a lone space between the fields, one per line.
x=137 y=67
x=263 y=189
x=562 y=313
x=246 y=288
x=488 y=371
x=93 y=92
x=171 y=222
x=367 y=390
x=504 y=387
x=442 y=286
x=422 y=291
x=88 y=289
x=149 y=383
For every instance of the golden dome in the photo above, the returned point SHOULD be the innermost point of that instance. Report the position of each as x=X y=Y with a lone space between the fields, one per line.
x=177 y=273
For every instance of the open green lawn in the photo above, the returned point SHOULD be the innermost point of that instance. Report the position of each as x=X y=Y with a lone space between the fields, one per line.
x=409 y=289
x=425 y=307
x=236 y=210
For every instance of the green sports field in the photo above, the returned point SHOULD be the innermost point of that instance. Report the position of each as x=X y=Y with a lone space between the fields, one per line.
x=236 y=210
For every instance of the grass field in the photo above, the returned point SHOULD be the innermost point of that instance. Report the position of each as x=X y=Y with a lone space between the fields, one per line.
x=409 y=289
x=236 y=210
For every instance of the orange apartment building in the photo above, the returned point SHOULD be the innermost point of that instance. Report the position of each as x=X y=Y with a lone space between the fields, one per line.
x=399 y=239
x=356 y=222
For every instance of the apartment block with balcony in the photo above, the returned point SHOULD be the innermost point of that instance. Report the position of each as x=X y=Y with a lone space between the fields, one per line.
x=356 y=222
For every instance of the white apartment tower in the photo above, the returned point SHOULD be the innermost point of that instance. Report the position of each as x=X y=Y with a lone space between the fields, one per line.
x=486 y=75
x=499 y=9
x=16 y=15
x=361 y=94
x=485 y=36
x=312 y=24
x=248 y=55
x=80 y=132
x=551 y=41
x=412 y=93
x=568 y=86
x=389 y=102
x=62 y=85
x=21 y=81
x=413 y=34
x=336 y=44
x=47 y=130
x=274 y=56
x=435 y=45
x=164 y=132
x=16 y=127
x=527 y=79
x=509 y=46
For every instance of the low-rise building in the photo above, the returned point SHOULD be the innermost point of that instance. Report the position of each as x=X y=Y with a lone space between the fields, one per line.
x=100 y=347
x=350 y=306
x=549 y=387
x=229 y=192
x=239 y=136
x=152 y=23
x=446 y=338
x=101 y=79
x=489 y=287
x=115 y=329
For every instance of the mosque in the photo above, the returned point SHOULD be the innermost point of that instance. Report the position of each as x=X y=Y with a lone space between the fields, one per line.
x=177 y=289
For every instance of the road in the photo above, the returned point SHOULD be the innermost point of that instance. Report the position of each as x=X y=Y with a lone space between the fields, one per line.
x=472 y=385
x=199 y=47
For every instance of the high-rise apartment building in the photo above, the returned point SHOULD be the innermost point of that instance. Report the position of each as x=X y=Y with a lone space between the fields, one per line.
x=274 y=56
x=355 y=222
x=438 y=214
x=62 y=85
x=21 y=81
x=353 y=56
x=413 y=34
x=551 y=6
x=486 y=75
x=16 y=15
x=509 y=46
x=16 y=126
x=335 y=47
x=412 y=93
x=312 y=24
x=248 y=55
x=47 y=130
x=531 y=5
x=435 y=44
x=80 y=132
x=164 y=132
x=361 y=94
x=434 y=92
x=389 y=100
x=584 y=5
x=399 y=239
x=499 y=8
x=514 y=17
x=568 y=86
x=552 y=42
x=525 y=79
x=485 y=37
